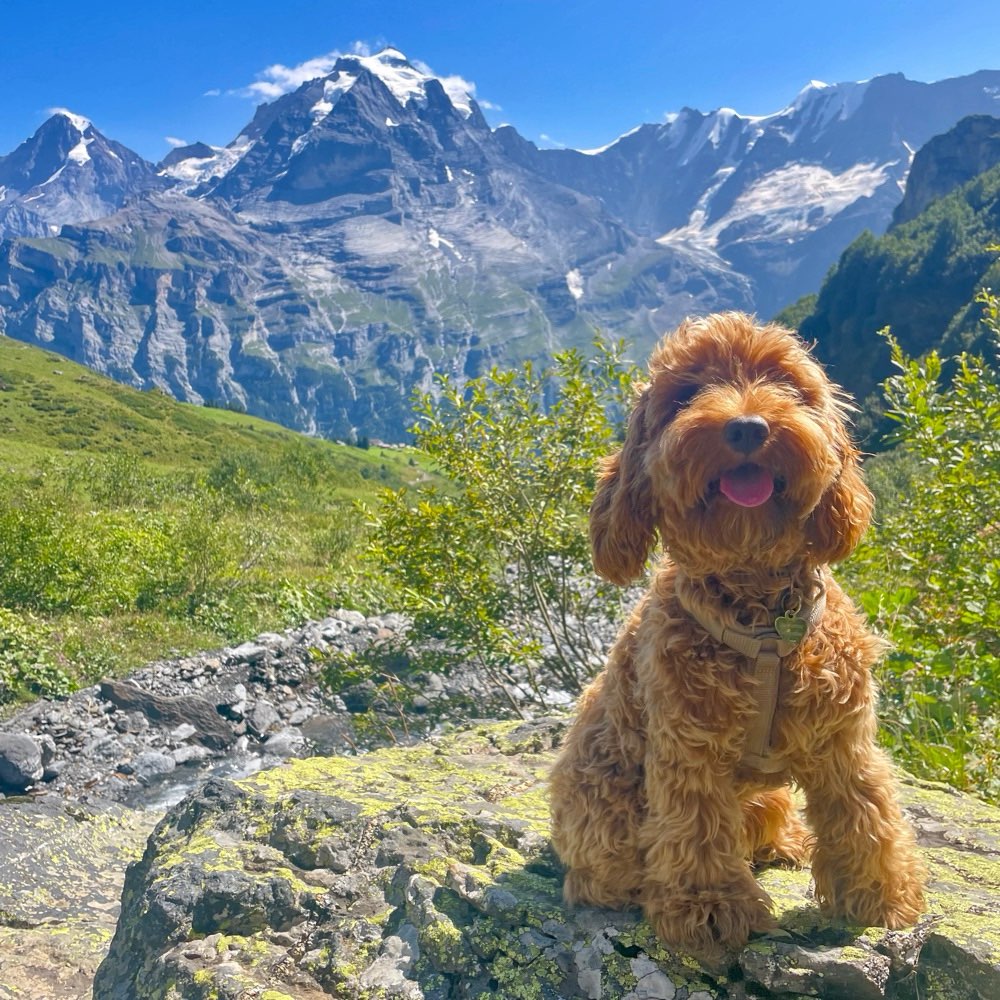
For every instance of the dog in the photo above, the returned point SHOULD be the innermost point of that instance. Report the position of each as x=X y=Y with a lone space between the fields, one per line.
x=744 y=668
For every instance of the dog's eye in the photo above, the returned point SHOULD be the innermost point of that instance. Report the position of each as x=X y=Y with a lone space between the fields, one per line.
x=681 y=397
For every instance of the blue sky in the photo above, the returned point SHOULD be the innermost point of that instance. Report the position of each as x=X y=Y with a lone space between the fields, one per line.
x=562 y=72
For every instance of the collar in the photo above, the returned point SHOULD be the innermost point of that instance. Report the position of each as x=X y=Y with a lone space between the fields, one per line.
x=765 y=647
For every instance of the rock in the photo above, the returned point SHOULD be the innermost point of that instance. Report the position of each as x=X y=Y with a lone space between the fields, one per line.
x=426 y=872
x=249 y=652
x=146 y=767
x=212 y=729
x=287 y=742
x=190 y=754
x=59 y=898
x=263 y=718
x=20 y=762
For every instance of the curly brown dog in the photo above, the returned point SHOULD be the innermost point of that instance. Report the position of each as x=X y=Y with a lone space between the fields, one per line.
x=744 y=668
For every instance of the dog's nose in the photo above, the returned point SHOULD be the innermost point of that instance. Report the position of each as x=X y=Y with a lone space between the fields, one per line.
x=746 y=434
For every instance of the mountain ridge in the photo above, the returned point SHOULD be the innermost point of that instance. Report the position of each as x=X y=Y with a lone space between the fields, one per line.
x=358 y=235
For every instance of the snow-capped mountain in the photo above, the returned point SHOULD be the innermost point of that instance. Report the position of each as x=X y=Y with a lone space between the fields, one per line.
x=68 y=172
x=370 y=227
x=777 y=197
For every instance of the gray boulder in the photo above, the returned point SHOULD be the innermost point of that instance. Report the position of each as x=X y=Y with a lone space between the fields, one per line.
x=20 y=762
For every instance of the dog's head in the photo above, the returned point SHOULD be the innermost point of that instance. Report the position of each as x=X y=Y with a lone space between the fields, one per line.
x=737 y=454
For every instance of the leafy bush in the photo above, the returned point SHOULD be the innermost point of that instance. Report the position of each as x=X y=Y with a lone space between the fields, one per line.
x=496 y=570
x=938 y=542
x=27 y=662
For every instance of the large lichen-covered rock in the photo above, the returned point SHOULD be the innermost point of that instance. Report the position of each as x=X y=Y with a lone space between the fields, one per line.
x=61 y=873
x=426 y=872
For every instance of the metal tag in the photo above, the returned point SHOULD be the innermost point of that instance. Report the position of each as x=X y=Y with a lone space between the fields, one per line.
x=790 y=628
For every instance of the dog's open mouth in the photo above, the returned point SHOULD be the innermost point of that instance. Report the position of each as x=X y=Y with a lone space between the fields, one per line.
x=748 y=485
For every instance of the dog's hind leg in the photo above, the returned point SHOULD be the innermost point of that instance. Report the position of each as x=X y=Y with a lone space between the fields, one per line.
x=598 y=802
x=595 y=832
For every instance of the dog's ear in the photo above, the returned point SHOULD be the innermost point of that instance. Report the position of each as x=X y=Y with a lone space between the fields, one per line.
x=621 y=515
x=843 y=513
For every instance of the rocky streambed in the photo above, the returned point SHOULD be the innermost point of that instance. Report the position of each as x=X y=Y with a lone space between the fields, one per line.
x=146 y=740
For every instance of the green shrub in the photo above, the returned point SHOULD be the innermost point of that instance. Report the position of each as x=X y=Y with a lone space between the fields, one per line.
x=27 y=662
x=938 y=545
x=497 y=568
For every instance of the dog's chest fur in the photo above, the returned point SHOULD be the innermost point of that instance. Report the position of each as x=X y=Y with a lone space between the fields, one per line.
x=704 y=690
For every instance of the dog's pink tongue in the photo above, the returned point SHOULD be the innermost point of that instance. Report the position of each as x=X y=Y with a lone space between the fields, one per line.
x=749 y=485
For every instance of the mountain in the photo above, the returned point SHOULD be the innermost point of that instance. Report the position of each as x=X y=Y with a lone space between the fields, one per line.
x=947 y=162
x=775 y=198
x=370 y=228
x=68 y=172
x=920 y=277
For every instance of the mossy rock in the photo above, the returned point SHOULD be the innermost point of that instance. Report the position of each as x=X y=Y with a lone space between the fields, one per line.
x=426 y=872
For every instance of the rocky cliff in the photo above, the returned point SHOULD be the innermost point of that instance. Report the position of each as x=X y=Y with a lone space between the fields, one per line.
x=947 y=162
x=426 y=872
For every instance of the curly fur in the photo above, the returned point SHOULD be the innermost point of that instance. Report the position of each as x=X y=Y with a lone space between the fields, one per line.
x=651 y=801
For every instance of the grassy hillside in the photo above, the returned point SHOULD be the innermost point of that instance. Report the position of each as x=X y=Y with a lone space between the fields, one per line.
x=132 y=525
x=49 y=405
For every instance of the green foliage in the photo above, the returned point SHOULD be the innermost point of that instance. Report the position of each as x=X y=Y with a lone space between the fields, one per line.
x=919 y=279
x=27 y=662
x=938 y=542
x=794 y=315
x=498 y=567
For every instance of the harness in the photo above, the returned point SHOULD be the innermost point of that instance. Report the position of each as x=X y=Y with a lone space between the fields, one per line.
x=765 y=647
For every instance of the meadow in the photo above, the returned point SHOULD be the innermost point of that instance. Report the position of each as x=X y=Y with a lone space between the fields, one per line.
x=134 y=527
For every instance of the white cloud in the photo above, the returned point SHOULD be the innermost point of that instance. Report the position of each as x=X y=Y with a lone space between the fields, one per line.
x=172 y=140
x=278 y=79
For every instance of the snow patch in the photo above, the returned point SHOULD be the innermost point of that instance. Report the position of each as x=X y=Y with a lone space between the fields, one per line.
x=78 y=122
x=404 y=80
x=785 y=203
x=194 y=171
x=601 y=149
x=79 y=154
x=436 y=240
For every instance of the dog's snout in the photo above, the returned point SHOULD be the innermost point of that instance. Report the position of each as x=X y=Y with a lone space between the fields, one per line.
x=746 y=434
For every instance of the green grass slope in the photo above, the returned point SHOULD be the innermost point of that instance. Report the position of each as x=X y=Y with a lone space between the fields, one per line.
x=132 y=525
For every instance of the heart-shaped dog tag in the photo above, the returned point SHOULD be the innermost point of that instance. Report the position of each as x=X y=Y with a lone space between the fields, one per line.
x=790 y=628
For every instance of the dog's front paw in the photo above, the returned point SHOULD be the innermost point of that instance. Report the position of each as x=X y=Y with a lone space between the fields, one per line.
x=891 y=895
x=710 y=921
x=895 y=904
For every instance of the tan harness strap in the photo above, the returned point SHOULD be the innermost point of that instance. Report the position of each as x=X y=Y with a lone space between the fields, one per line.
x=765 y=649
